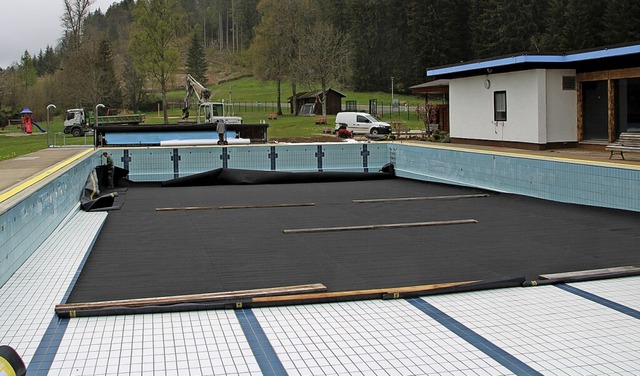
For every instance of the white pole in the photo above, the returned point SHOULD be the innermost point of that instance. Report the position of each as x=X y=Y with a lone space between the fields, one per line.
x=48 y=108
x=95 y=128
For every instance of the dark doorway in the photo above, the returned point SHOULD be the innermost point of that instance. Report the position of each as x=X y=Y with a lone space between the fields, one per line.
x=627 y=105
x=594 y=109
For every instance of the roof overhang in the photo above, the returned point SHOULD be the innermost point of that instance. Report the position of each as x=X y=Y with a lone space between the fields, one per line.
x=577 y=60
x=431 y=87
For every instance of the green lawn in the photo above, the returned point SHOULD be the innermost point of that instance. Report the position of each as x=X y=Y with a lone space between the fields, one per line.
x=245 y=93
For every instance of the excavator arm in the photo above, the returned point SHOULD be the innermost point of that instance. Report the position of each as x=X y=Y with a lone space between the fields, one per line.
x=192 y=87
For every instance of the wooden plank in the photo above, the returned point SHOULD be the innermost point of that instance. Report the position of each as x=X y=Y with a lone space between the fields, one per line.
x=194 y=298
x=264 y=206
x=592 y=272
x=449 y=197
x=580 y=113
x=611 y=110
x=381 y=226
x=355 y=293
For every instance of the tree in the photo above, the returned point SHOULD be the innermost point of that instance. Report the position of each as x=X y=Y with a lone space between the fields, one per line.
x=27 y=71
x=133 y=85
x=439 y=35
x=107 y=83
x=620 y=22
x=323 y=56
x=154 y=44
x=75 y=13
x=275 y=49
x=582 y=29
x=196 y=60
x=500 y=27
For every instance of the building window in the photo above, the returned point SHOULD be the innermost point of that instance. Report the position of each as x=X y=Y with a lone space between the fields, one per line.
x=568 y=82
x=500 y=106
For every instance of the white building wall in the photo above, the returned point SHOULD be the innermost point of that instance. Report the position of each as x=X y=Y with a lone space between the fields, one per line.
x=536 y=107
x=562 y=108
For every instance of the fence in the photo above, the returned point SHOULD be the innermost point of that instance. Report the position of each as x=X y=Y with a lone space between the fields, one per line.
x=384 y=111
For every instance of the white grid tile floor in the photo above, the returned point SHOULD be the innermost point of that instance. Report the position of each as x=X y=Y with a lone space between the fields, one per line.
x=548 y=329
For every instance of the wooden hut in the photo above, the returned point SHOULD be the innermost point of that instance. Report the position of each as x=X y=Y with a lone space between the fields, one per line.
x=310 y=102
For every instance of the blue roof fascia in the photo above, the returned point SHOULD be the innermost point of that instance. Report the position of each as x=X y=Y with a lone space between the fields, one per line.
x=607 y=52
x=549 y=59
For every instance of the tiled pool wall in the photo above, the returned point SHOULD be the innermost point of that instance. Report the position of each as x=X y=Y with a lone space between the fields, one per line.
x=605 y=184
x=24 y=226
x=159 y=164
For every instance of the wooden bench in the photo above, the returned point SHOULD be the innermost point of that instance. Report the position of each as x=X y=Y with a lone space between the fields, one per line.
x=273 y=117
x=628 y=141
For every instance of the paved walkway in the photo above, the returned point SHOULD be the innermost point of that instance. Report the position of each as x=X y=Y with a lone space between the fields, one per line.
x=26 y=171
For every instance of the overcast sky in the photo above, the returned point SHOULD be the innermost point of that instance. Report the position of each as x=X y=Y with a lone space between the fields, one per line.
x=31 y=25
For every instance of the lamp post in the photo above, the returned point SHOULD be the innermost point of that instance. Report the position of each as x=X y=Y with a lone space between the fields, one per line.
x=95 y=127
x=48 y=108
x=392 y=104
x=391 y=89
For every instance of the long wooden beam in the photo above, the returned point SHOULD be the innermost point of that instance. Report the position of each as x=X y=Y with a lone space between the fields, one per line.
x=380 y=226
x=422 y=198
x=193 y=298
x=299 y=298
x=263 y=206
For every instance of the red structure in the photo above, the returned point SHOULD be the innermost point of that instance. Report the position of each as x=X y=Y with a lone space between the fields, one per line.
x=27 y=121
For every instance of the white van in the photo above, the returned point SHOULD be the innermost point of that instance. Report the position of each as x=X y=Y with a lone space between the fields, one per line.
x=362 y=123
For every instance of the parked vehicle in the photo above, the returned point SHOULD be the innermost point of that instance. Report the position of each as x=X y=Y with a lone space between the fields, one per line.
x=208 y=112
x=78 y=121
x=361 y=123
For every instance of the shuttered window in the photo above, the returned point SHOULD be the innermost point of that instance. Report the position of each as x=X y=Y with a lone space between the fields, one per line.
x=500 y=106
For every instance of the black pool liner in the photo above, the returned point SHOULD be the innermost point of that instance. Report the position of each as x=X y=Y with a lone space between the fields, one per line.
x=227 y=176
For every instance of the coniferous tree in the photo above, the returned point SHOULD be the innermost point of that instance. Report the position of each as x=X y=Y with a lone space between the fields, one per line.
x=371 y=57
x=582 y=25
x=620 y=22
x=196 y=60
x=439 y=34
x=50 y=60
x=108 y=84
x=500 y=27
x=27 y=71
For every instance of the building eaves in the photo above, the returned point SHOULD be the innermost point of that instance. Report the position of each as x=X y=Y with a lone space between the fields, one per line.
x=528 y=61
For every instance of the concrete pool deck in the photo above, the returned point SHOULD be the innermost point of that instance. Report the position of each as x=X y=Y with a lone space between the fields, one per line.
x=575 y=328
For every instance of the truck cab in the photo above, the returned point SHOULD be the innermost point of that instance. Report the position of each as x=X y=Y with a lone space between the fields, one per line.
x=211 y=112
x=75 y=122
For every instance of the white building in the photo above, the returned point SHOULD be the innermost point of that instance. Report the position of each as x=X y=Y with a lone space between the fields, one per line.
x=542 y=101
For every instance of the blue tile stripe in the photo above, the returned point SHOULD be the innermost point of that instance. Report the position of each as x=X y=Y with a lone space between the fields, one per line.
x=42 y=359
x=499 y=355
x=224 y=156
x=365 y=157
x=319 y=156
x=600 y=300
x=50 y=343
x=273 y=155
x=175 y=158
x=260 y=346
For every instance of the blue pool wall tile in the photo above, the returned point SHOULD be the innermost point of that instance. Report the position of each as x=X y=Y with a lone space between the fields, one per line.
x=27 y=223
x=597 y=184
x=159 y=164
